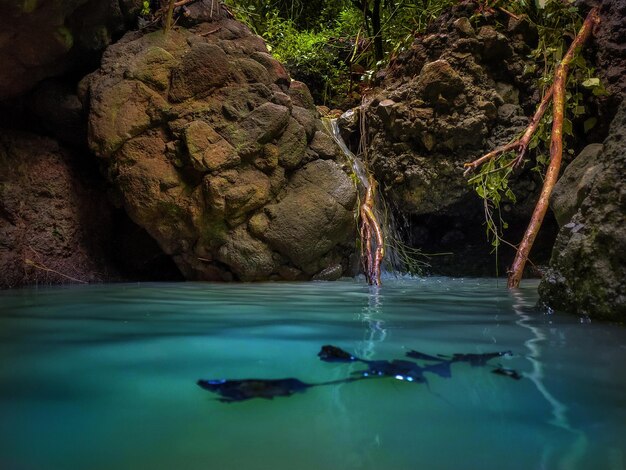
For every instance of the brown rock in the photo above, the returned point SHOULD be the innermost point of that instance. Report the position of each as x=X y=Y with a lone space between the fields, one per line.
x=202 y=69
x=208 y=151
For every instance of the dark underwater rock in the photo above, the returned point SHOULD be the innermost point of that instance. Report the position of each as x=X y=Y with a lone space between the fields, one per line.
x=231 y=391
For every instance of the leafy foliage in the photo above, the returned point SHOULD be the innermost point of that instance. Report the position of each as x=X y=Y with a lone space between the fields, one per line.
x=330 y=44
x=557 y=23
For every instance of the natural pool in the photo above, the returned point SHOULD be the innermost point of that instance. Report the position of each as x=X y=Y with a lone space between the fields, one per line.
x=104 y=377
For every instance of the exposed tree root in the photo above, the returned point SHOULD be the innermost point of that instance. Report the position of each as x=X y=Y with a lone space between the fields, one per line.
x=372 y=243
x=556 y=93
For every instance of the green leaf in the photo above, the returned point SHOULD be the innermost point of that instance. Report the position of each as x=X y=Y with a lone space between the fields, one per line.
x=567 y=127
x=509 y=194
x=533 y=142
x=591 y=82
x=529 y=69
x=600 y=91
x=590 y=124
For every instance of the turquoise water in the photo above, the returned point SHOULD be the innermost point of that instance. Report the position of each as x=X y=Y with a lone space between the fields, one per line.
x=103 y=377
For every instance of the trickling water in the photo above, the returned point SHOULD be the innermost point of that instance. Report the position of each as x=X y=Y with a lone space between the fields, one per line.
x=371 y=230
x=398 y=258
x=358 y=167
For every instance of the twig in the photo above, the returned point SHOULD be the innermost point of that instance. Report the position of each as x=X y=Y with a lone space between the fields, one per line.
x=211 y=32
x=183 y=2
x=41 y=267
x=521 y=144
x=512 y=15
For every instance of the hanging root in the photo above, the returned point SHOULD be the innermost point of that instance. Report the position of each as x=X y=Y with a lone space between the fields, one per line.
x=371 y=236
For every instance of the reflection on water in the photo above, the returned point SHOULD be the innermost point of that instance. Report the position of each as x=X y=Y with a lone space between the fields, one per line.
x=573 y=455
x=372 y=316
x=102 y=377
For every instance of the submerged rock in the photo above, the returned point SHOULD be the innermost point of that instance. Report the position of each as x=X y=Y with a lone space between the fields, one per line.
x=218 y=155
x=587 y=273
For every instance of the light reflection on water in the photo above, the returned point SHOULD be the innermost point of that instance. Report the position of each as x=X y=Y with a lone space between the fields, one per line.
x=102 y=377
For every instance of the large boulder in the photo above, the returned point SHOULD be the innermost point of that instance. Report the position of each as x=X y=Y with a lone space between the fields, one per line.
x=217 y=154
x=587 y=273
x=48 y=38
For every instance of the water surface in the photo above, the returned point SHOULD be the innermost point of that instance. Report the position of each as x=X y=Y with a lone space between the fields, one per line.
x=103 y=377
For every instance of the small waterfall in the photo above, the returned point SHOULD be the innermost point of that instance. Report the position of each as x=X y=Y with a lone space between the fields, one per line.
x=370 y=229
x=358 y=167
x=396 y=256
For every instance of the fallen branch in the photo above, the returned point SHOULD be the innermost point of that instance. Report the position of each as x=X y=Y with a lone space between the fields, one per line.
x=556 y=150
x=211 y=32
x=521 y=144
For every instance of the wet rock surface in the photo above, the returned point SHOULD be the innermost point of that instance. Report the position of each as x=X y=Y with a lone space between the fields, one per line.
x=587 y=273
x=218 y=155
x=459 y=92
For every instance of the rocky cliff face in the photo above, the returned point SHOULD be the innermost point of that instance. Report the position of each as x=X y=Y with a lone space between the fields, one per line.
x=221 y=157
x=46 y=236
x=57 y=225
x=459 y=92
x=587 y=272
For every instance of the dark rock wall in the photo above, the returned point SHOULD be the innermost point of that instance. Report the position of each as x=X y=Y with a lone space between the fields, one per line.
x=53 y=223
x=587 y=272
x=40 y=39
x=57 y=225
x=459 y=92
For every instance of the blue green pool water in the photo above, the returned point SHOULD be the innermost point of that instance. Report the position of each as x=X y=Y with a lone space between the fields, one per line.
x=103 y=377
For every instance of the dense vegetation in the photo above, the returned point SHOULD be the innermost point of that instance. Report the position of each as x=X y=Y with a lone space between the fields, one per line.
x=335 y=45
